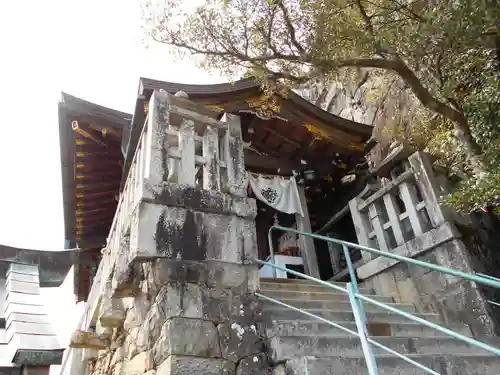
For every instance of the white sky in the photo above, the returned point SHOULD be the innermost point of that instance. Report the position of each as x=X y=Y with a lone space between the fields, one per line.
x=92 y=49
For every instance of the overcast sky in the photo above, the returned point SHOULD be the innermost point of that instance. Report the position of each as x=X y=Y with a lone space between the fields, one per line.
x=92 y=49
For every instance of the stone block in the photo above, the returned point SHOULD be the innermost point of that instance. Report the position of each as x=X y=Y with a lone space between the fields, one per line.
x=130 y=345
x=194 y=301
x=136 y=314
x=182 y=234
x=434 y=282
x=239 y=341
x=118 y=356
x=140 y=364
x=213 y=273
x=112 y=312
x=119 y=369
x=87 y=340
x=253 y=365
x=245 y=309
x=279 y=370
x=181 y=365
x=181 y=300
x=409 y=294
x=466 y=304
x=154 y=322
x=127 y=275
x=187 y=337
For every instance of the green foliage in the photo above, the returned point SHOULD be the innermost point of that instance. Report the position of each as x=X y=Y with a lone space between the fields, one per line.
x=446 y=53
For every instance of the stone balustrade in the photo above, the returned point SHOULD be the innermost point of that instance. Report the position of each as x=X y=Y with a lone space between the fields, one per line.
x=184 y=228
x=404 y=216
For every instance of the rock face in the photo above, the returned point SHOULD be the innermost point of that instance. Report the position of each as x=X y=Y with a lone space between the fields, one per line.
x=383 y=102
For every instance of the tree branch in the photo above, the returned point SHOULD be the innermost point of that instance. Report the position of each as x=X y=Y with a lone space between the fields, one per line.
x=290 y=28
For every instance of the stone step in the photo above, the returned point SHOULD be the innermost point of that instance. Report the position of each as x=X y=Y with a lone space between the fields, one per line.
x=294 y=281
x=282 y=313
x=457 y=364
x=288 y=347
x=334 y=305
x=311 y=328
x=314 y=296
x=307 y=287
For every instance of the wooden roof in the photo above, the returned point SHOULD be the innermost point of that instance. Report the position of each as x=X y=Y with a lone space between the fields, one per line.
x=92 y=161
x=289 y=127
x=94 y=138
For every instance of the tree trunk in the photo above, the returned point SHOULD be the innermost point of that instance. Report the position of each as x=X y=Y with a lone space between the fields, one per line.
x=473 y=151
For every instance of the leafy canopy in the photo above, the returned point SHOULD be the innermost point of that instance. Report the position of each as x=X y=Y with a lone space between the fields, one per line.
x=447 y=53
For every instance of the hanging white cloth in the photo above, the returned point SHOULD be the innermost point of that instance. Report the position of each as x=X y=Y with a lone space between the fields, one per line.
x=278 y=192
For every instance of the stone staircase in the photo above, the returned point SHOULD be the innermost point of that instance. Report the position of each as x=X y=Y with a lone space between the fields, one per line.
x=302 y=345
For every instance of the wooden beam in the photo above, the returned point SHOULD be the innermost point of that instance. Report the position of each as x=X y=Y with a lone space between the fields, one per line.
x=86 y=134
x=255 y=160
x=281 y=136
x=306 y=244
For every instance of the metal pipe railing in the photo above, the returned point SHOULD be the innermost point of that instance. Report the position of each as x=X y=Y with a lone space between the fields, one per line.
x=356 y=299
x=490 y=281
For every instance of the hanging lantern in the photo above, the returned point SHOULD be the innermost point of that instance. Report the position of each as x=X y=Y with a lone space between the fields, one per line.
x=309 y=174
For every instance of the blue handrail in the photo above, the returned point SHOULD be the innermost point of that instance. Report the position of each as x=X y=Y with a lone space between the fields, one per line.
x=356 y=299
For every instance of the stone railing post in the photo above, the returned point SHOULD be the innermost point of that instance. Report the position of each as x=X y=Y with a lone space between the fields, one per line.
x=405 y=218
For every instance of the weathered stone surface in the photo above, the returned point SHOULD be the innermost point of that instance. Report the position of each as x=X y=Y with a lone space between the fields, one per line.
x=120 y=368
x=180 y=365
x=239 y=341
x=181 y=300
x=253 y=365
x=112 y=312
x=87 y=340
x=118 y=356
x=181 y=336
x=194 y=301
x=178 y=233
x=127 y=276
x=279 y=370
x=137 y=313
x=129 y=344
x=212 y=273
x=154 y=322
x=245 y=309
x=140 y=364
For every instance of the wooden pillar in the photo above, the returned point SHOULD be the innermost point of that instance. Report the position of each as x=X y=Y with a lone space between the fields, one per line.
x=306 y=244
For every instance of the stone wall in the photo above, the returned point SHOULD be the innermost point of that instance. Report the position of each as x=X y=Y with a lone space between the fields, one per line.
x=178 y=282
x=455 y=299
x=186 y=318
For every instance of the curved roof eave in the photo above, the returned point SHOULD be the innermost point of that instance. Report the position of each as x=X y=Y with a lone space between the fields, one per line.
x=53 y=265
x=79 y=106
x=244 y=85
x=73 y=106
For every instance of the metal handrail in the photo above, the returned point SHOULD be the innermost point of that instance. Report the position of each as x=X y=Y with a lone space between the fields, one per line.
x=356 y=299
